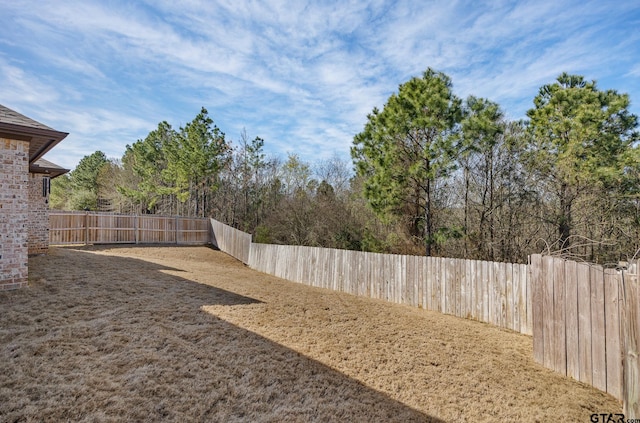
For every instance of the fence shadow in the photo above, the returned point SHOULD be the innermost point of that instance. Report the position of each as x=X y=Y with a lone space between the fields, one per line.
x=121 y=339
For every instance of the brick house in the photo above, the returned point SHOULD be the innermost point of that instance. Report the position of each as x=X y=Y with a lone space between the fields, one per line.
x=24 y=193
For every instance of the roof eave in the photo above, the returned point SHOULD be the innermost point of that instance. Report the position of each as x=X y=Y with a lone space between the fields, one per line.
x=49 y=136
x=51 y=172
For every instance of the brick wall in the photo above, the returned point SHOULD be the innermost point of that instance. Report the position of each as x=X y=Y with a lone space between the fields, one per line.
x=14 y=212
x=38 y=225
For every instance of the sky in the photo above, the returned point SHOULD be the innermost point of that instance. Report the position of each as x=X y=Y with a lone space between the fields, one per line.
x=302 y=75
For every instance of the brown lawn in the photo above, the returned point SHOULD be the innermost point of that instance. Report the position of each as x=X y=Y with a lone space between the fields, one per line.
x=190 y=334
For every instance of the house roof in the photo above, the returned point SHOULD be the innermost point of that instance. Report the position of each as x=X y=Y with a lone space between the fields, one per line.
x=41 y=137
x=46 y=167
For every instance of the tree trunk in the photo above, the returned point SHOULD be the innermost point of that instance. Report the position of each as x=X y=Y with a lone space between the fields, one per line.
x=427 y=220
x=564 y=222
x=492 y=229
x=466 y=210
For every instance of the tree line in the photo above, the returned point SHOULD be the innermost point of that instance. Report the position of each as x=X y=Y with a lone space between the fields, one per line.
x=431 y=174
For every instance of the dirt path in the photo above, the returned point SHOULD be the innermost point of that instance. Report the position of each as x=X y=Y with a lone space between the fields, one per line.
x=190 y=334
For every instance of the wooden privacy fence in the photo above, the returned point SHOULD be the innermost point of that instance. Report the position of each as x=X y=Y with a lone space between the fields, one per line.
x=584 y=319
x=496 y=293
x=585 y=325
x=109 y=228
x=232 y=241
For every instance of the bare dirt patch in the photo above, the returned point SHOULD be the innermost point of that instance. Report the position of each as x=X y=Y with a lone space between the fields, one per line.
x=190 y=334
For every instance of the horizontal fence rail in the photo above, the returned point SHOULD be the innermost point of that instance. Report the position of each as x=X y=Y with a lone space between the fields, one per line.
x=111 y=228
x=584 y=319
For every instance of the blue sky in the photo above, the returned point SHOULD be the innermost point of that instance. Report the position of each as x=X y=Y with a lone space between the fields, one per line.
x=302 y=75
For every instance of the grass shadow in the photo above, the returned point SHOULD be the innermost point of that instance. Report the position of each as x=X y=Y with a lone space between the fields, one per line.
x=104 y=338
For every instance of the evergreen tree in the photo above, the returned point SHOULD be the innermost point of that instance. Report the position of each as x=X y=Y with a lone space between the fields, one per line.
x=194 y=159
x=406 y=148
x=582 y=141
x=146 y=159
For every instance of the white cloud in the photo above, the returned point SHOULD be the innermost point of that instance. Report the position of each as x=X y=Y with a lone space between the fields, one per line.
x=19 y=87
x=303 y=75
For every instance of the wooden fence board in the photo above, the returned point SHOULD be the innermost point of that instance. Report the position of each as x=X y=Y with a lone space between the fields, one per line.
x=548 y=311
x=354 y=267
x=298 y=264
x=458 y=282
x=410 y=280
x=497 y=272
x=348 y=260
x=357 y=272
x=526 y=319
x=584 y=322
x=470 y=289
x=538 y=309
x=559 y=328
x=320 y=272
x=507 y=312
x=442 y=286
x=452 y=287
x=517 y=297
x=477 y=287
x=530 y=291
x=445 y=288
x=464 y=276
x=599 y=339
x=378 y=276
x=347 y=263
x=305 y=257
x=366 y=275
x=420 y=268
x=338 y=270
x=391 y=272
x=312 y=267
x=361 y=282
x=421 y=282
x=631 y=346
x=394 y=278
x=522 y=297
x=461 y=291
x=450 y=290
x=429 y=287
x=401 y=277
x=312 y=274
x=330 y=281
x=571 y=319
x=612 y=328
x=283 y=260
x=487 y=276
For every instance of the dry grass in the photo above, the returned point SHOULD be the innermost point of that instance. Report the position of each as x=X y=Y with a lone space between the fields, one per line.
x=189 y=334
